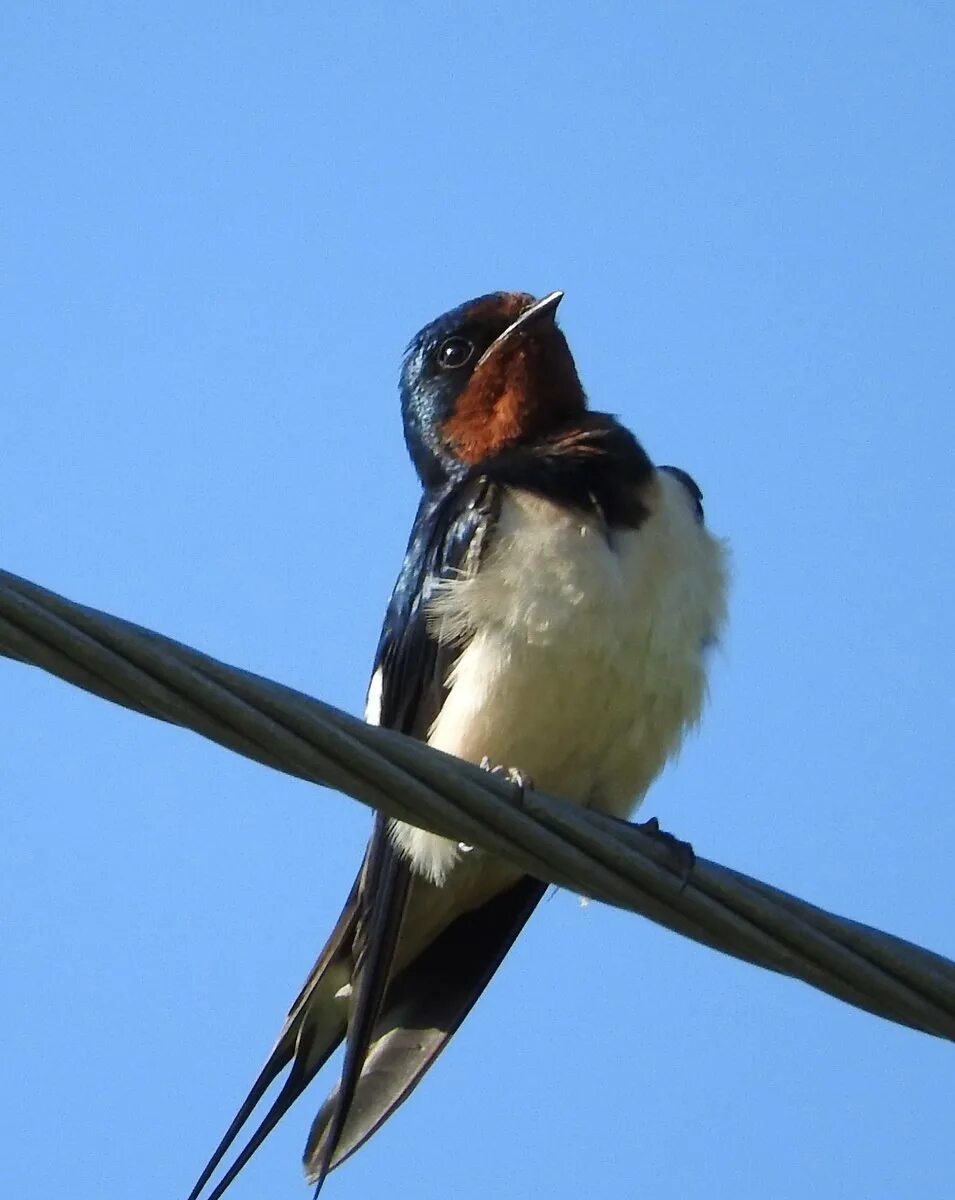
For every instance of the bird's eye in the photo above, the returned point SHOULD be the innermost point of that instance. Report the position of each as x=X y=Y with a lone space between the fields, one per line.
x=455 y=352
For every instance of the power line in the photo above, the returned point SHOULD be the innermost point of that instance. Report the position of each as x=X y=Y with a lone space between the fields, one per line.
x=583 y=851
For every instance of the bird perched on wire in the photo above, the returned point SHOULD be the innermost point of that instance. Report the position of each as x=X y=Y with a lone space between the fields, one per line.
x=551 y=617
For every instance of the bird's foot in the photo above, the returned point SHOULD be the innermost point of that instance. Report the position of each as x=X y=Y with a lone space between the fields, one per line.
x=514 y=775
x=681 y=853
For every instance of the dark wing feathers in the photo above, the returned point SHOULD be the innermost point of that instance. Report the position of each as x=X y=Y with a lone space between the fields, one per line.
x=426 y=1004
x=447 y=540
x=382 y=897
x=691 y=486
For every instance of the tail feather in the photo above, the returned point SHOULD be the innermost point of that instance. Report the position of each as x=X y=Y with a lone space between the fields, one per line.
x=278 y=1060
x=423 y=1008
x=383 y=898
x=312 y=1031
x=291 y=1090
x=396 y=1023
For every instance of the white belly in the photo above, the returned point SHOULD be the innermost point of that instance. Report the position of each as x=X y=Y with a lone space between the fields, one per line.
x=585 y=661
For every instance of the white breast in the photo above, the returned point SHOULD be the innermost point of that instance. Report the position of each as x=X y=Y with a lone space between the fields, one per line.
x=585 y=661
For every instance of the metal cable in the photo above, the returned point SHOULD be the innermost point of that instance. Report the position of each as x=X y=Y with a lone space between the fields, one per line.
x=583 y=851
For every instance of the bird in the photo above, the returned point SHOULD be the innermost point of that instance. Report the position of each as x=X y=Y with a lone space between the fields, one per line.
x=552 y=620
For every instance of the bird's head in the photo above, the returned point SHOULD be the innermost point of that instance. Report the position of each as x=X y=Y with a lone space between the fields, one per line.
x=487 y=376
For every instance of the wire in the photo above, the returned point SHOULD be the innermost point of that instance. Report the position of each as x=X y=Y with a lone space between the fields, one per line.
x=549 y=838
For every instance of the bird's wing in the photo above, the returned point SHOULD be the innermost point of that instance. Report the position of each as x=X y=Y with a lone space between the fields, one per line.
x=424 y=1006
x=394 y=1032
x=382 y=898
x=387 y=1049
x=692 y=487
x=448 y=539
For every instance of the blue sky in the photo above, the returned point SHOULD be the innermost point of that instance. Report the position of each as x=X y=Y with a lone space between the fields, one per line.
x=219 y=228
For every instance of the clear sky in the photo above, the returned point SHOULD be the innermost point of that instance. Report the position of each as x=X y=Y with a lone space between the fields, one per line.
x=220 y=225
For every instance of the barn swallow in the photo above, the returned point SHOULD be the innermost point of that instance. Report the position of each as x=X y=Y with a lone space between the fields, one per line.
x=552 y=614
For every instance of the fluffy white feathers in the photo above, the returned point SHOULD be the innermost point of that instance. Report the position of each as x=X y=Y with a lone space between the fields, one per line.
x=585 y=655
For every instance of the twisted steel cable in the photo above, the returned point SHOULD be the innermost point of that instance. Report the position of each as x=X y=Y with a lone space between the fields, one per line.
x=549 y=838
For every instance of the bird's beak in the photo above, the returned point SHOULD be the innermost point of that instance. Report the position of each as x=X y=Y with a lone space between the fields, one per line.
x=540 y=310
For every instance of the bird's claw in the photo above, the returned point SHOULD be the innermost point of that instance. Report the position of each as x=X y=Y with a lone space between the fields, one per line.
x=681 y=853
x=513 y=775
